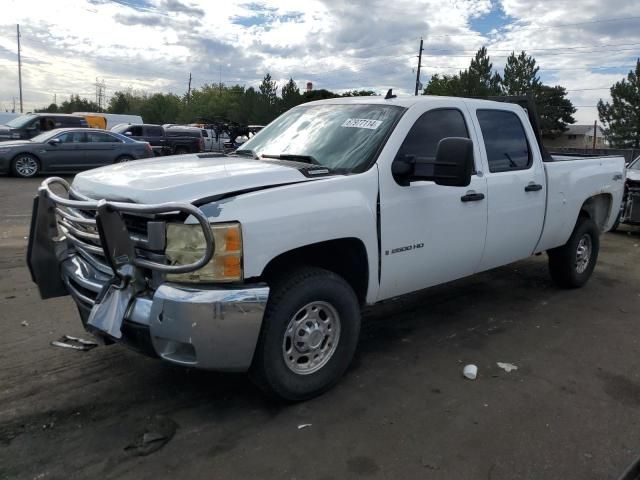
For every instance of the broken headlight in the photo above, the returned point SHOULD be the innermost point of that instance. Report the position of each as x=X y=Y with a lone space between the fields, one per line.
x=186 y=244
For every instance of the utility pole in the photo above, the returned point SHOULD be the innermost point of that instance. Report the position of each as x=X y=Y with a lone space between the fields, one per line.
x=19 y=67
x=189 y=89
x=595 y=127
x=419 y=66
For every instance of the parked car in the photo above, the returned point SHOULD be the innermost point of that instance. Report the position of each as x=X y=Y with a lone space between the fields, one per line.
x=69 y=150
x=32 y=124
x=165 y=141
x=262 y=260
x=630 y=206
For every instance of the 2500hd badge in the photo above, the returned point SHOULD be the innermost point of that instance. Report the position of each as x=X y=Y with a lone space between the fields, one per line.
x=404 y=249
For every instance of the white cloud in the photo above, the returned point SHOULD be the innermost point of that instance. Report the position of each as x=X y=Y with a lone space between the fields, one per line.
x=154 y=44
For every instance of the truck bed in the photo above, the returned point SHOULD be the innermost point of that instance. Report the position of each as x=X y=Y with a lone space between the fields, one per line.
x=571 y=180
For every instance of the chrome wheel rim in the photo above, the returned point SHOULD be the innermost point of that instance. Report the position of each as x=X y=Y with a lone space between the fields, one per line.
x=26 y=166
x=583 y=253
x=311 y=338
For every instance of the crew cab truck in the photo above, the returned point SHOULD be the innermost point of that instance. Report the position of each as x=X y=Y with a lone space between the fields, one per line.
x=164 y=141
x=261 y=260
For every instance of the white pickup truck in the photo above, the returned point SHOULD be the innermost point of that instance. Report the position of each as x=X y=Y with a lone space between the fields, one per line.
x=261 y=260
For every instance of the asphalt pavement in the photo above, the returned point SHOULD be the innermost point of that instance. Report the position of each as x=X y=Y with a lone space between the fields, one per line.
x=403 y=411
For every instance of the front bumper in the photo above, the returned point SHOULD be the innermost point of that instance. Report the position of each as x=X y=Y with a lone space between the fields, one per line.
x=206 y=327
x=215 y=328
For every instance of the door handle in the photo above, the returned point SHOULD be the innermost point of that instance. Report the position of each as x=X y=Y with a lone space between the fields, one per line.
x=472 y=197
x=533 y=187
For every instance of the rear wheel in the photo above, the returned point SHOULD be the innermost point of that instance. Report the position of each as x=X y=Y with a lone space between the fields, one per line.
x=309 y=335
x=123 y=158
x=25 y=165
x=181 y=151
x=572 y=264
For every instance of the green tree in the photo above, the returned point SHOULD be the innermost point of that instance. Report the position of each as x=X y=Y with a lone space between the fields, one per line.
x=520 y=75
x=53 y=108
x=321 y=94
x=554 y=109
x=161 y=108
x=445 y=85
x=480 y=80
x=290 y=95
x=621 y=117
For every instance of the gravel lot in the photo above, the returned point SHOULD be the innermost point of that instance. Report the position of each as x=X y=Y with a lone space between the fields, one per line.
x=570 y=411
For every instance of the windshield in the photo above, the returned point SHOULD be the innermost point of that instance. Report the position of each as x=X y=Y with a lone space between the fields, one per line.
x=635 y=165
x=20 y=121
x=341 y=137
x=120 y=127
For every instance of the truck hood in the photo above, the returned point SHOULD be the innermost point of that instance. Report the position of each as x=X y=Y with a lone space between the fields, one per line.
x=184 y=178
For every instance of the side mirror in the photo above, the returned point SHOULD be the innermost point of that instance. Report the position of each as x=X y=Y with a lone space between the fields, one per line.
x=128 y=134
x=454 y=162
x=54 y=141
x=452 y=167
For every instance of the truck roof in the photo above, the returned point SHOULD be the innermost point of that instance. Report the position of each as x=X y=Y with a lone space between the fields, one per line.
x=409 y=101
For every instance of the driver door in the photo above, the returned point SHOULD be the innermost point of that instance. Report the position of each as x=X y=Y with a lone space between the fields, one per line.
x=68 y=153
x=431 y=234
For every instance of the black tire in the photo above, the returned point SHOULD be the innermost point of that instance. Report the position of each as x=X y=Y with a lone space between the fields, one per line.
x=181 y=151
x=25 y=165
x=566 y=268
x=123 y=158
x=306 y=288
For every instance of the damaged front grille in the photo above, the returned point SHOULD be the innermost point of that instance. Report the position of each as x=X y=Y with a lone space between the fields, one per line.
x=75 y=218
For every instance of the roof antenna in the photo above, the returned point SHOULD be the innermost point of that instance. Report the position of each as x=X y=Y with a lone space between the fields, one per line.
x=390 y=94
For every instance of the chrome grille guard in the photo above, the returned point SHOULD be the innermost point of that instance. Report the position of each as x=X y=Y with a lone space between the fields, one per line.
x=69 y=212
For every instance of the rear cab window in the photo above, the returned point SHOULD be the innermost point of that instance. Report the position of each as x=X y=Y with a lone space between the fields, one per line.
x=505 y=141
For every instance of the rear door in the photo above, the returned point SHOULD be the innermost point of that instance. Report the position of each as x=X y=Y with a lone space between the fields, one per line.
x=67 y=154
x=516 y=184
x=100 y=148
x=154 y=134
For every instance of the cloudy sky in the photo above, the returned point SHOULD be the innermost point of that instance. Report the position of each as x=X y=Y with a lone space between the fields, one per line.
x=338 y=45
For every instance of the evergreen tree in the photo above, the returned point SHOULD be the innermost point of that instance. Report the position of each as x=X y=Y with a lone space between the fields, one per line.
x=554 y=109
x=290 y=95
x=621 y=117
x=445 y=85
x=520 y=75
x=480 y=80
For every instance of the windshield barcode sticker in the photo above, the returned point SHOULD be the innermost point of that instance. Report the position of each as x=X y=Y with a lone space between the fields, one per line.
x=362 y=123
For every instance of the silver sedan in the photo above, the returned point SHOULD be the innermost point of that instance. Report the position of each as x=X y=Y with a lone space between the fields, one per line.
x=68 y=150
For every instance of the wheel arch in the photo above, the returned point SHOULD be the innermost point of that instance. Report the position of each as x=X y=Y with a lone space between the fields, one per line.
x=599 y=209
x=346 y=257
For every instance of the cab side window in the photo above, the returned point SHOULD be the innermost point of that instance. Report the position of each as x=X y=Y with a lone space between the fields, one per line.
x=152 y=132
x=505 y=141
x=99 y=137
x=135 y=131
x=423 y=138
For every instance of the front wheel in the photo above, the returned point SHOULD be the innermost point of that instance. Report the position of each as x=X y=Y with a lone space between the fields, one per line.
x=572 y=264
x=25 y=165
x=309 y=335
x=123 y=158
